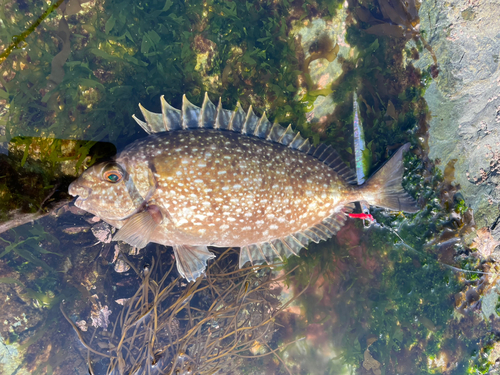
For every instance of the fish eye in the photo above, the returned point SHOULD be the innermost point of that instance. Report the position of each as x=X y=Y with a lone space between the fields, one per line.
x=113 y=176
x=112 y=173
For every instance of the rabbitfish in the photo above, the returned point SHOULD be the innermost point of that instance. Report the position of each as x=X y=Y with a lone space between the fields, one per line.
x=213 y=177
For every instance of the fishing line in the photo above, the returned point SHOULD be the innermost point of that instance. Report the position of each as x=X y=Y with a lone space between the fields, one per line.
x=369 y=220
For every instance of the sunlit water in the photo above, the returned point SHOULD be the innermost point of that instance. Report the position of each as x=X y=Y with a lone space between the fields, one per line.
x=371 y=300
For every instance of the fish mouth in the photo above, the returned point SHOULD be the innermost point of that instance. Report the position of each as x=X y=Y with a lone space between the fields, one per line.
x=82 y=192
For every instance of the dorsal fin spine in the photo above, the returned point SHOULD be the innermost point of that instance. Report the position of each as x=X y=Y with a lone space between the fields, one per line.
x=209 y=116
x=172 y=117
x=289 y=247
x=285 y=138
x=326 y=152
x=154 y=120
x=251 y=121
x=276 y=251
x=208 y=113
x=218 y=114
x=263 y=126
x=201 y=120
x=295 y=139
x=142 y=124
x=237 y=119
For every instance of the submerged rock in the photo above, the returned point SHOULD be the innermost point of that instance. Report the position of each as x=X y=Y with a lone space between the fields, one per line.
x=465 y=98
x=102 y=231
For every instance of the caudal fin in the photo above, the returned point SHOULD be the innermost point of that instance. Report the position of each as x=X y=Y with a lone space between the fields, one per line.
x=386 y=185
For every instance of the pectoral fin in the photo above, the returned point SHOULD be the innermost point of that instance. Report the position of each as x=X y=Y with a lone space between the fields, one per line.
x=191 y=260
x=138 y=229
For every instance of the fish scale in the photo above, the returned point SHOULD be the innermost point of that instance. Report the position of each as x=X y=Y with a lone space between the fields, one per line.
x=232 y=190
x=213 y=177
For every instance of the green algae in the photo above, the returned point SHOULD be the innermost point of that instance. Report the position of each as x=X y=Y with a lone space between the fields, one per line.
x=123 y=53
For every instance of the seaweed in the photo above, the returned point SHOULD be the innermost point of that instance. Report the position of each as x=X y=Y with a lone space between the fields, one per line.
x=210 y=325
x=27 y=245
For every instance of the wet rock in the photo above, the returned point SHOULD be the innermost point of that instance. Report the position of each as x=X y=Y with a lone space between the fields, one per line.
x=121 y=266
x=125 y=248
x=489 y=302
x=66 y=265
x=484 y=243
x=102 y=231
x=100 y=316
x=465 y=99
x=121 y=301
x=321 y=43
x=75 y=229
x=18 y=317
x=82 y=324
x=76 y=211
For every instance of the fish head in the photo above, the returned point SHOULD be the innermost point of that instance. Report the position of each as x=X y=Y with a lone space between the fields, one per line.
x=108 y=191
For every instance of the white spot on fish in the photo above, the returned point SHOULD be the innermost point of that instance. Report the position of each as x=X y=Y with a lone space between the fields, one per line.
x=181 y=221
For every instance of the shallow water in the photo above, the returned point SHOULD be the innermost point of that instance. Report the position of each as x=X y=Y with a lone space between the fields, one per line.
x=371 y=300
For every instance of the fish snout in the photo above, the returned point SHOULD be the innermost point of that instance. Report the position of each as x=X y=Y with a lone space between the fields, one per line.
x=77 y=189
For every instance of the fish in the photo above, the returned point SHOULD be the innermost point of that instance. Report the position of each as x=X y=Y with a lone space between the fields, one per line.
x=359 y=142
x=227 y=178
x=360 y=159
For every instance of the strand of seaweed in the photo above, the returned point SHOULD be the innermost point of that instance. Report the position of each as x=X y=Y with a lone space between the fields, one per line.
x=207 y=327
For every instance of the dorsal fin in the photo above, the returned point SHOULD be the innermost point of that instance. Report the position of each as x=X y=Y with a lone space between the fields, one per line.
x=208 y=114
x=211 y=117
x=171 y=116
x=223 y=117
x=251 y=122
x=190 y=114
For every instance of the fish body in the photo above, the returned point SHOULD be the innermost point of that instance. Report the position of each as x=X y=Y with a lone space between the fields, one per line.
x=359 y=142
x=222 y=178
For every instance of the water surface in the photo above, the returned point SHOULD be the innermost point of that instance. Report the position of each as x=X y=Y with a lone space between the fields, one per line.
x=374 y=300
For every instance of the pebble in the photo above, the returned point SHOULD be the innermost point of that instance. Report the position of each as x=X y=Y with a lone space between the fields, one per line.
x=102 y=231
x=75 y=230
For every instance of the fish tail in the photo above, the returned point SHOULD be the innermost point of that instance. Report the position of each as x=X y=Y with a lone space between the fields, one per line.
x=385 y=185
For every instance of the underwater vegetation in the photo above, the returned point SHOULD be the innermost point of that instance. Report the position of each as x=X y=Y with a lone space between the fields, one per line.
x=374 y=305
x=388 y=296
x=206 y=327
x=36 y=172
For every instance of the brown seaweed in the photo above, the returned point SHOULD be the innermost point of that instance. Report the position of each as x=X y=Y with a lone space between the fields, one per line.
x=400 y=20
x=209 y=325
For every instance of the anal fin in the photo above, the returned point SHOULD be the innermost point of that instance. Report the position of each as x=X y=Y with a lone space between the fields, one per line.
x=191 y=260
x=268 y=252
